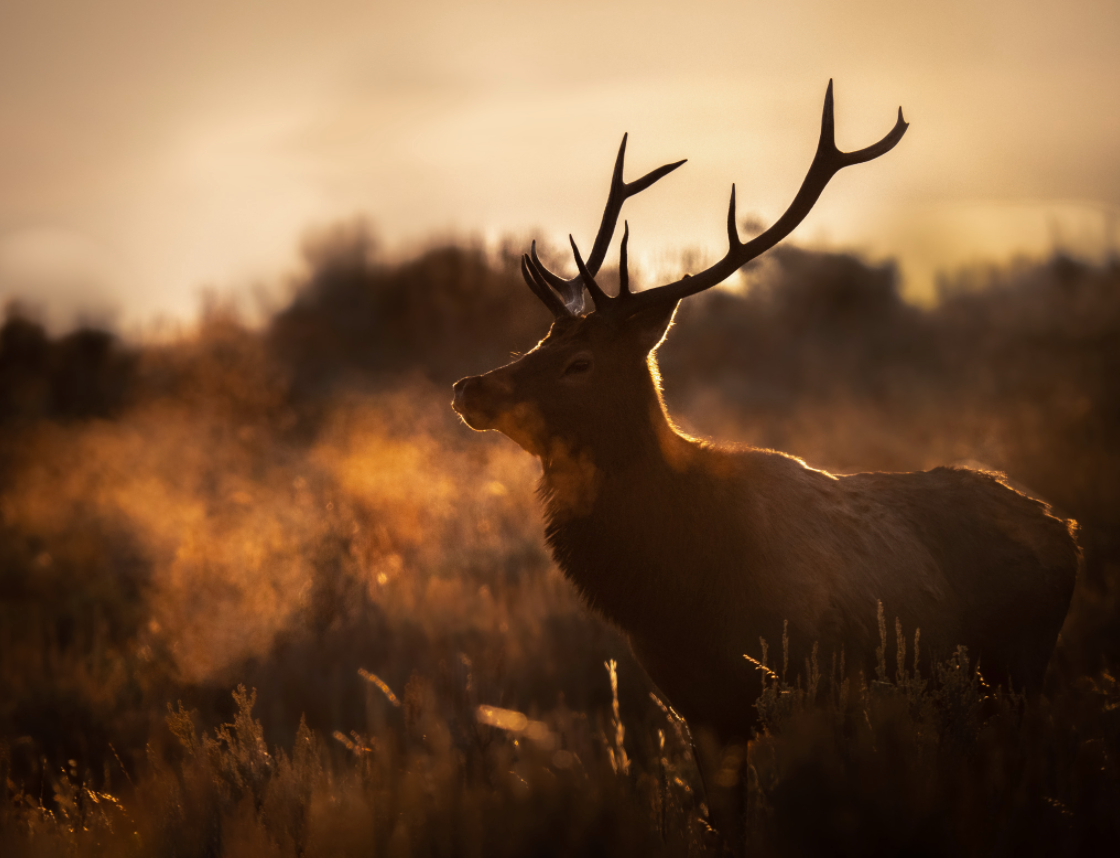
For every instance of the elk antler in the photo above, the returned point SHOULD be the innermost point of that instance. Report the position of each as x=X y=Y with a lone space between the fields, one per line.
x=826 y=163
x=565 y=297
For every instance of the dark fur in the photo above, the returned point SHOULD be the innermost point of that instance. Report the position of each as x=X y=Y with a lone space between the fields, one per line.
x=697 y=551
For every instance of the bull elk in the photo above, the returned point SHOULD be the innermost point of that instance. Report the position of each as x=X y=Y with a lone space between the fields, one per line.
x=697 y=550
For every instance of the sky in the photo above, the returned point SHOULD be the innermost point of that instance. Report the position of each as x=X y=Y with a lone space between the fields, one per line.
x=153 y=151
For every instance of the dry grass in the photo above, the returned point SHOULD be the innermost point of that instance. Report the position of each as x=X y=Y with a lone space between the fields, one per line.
x=421 y=679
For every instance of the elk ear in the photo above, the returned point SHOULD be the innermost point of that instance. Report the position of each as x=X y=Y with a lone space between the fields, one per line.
x=649 y=326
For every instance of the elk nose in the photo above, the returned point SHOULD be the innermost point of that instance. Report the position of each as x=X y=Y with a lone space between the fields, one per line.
x=461 y=388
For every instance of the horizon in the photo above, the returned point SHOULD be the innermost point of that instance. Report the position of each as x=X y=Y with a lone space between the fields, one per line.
x=153 y=156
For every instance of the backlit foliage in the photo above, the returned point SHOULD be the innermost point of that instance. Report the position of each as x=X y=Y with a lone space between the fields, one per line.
x=262 y=594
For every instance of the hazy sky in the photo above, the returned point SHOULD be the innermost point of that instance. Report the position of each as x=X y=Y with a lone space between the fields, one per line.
x=150 y=149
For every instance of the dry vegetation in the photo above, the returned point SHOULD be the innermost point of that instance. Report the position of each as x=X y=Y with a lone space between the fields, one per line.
x=261 y=594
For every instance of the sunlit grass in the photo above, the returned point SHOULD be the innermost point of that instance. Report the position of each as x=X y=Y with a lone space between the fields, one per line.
x=412 y=673
x=892 y=763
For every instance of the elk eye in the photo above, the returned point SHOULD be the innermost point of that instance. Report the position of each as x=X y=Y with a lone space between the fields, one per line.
x=580 y=364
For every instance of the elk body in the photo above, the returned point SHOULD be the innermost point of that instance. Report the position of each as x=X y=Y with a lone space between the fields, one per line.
x=697 y=550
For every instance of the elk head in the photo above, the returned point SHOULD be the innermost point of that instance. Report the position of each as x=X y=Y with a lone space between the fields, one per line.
x=589 y=390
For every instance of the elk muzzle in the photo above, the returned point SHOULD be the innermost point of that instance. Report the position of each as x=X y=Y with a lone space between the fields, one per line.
x=474 y=402
x=482 y=400
x=488 y=402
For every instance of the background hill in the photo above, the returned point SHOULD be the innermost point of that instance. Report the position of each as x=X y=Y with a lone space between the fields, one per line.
x=296 y=508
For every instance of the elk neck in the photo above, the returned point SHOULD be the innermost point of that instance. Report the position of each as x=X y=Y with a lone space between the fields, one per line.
x=635 y=445
x=626 y=508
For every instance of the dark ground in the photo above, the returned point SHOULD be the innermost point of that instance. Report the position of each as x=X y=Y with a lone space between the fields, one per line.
x=285 y=508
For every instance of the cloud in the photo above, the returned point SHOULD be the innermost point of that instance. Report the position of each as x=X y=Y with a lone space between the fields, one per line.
x=196 y=143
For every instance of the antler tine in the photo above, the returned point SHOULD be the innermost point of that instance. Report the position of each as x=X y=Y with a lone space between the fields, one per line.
x=620 y=192
x=571 y=291
x=558 y=308
x=600 y=297
x=733 y=240
x=556 y=282
x=623 y=266
x=827 y=162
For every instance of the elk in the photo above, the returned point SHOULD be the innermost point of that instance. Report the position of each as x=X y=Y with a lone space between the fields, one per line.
x=696 y=550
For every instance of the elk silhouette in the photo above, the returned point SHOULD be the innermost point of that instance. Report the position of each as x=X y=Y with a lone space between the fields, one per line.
x=697 y=550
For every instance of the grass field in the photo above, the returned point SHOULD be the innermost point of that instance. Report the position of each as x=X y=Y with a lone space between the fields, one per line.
x=261 y=593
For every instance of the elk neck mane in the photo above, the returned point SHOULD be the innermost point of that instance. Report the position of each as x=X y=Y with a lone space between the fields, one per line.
x=619 y=513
